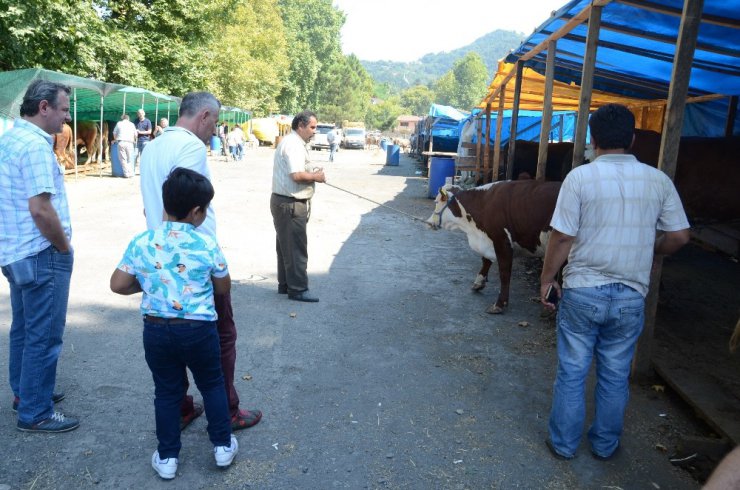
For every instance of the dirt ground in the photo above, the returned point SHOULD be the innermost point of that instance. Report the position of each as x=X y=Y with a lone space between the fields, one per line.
x=396 y=379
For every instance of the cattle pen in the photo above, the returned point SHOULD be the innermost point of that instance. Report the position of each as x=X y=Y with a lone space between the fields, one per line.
x=668 y=61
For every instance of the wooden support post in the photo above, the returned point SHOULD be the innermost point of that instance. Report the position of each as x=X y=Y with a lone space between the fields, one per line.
x=487 y=148
x=497 y=143
x=514 y=119
x=478 y=152
x=731 y=114
x=670 y=139
x=587 y=84
x=546 y=111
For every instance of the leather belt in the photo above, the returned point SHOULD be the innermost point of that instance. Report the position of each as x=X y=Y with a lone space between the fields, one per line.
x=290 y=198
x=167 y=321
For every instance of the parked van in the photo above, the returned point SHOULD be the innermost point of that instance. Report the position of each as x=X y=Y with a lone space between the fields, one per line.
x=319 y=140
x=354 y=138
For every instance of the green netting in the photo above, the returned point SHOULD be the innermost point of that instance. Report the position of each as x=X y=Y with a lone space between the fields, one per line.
x=90 y=95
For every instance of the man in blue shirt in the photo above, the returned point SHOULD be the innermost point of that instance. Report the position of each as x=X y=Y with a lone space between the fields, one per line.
x=143 y=134
x=35 y=254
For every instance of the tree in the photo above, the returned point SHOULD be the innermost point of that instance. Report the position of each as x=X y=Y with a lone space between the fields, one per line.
x=416 y=100
x=251 y=58
x=383 y=115
x=314 y=44
x=346 y=93
x=463 y=85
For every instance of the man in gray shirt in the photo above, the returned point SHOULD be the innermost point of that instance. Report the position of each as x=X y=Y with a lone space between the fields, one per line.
x=604 y=224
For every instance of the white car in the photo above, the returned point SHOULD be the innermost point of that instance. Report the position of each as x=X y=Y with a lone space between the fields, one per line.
x=319 y=140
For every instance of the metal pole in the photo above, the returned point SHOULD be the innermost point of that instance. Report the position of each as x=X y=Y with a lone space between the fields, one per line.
x=74 y=145
x=100 y=150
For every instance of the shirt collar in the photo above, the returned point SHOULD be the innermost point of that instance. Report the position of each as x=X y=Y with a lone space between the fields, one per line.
x=175 y=226
x=29 y=126
x=617 y=158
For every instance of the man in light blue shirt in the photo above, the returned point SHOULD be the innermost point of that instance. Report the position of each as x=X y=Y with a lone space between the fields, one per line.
x=35 y=254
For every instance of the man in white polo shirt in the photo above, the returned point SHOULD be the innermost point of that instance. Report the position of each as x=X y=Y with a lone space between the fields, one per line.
x=183 y=145
x=605 y=224
x=125 y=135
x=293 y=183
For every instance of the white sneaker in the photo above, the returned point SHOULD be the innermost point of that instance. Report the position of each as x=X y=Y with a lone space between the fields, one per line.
x=165 y=468
x=225 y=454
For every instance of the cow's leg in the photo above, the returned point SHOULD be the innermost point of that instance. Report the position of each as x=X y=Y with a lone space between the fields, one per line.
x=504 y=257
x=482 y=278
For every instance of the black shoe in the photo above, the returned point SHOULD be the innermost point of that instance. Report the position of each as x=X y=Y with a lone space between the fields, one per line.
x=282 y=289
x=606 y=458
x=557 y=455
x=55 y=397
x=303 y=296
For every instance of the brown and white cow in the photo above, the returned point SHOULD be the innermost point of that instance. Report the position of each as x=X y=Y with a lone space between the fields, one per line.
x=63 y=147
x=496 y=218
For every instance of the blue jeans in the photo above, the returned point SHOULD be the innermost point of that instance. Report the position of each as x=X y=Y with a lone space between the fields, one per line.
x=602 y=322
x=170 y=348
x=332 y=151
x=39 y=292
x=140 y=144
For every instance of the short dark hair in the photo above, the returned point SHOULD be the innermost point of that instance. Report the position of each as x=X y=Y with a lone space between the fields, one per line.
x=41 y=90
x=302 y=119
x=612 y=127
x=185 y=189
x=194 y=102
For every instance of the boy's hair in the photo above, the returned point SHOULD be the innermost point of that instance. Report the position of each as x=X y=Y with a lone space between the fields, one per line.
x=185 y=189
x=612 y=127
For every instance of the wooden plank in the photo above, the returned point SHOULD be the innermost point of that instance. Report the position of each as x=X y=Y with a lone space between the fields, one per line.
x=668 y=156
x=587 y=84
x=724 y=238
x=546 y=112
x=731 y=113
x=514 y=118
x=705 y=395
x=487 y=148
x=497 y=144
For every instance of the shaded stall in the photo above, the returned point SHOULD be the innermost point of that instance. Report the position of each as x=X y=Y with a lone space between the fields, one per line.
x=676 y=65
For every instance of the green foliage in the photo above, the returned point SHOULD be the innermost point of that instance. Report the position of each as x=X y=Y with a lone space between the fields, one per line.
x=428 y=68
x=312 y=30
x=346 y=93
x=251 y=58
x=416 y=100
x=462 y=87
x=383 y=115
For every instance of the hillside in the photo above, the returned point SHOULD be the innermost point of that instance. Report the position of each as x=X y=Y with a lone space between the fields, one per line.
x=400 y=75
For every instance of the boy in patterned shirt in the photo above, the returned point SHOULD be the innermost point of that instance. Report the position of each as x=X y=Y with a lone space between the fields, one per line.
x=178 y=269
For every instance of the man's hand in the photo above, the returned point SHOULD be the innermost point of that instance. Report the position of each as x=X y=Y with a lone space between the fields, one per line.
x=544 y=289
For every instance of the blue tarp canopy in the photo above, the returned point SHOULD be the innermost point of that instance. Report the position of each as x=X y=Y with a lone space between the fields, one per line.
x=445 y=111
x=636 y=46
x=562 y=126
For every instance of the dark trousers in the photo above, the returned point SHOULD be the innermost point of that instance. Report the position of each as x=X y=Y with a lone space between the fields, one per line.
x=227 y=339
x=290 y=217
x=168 y=349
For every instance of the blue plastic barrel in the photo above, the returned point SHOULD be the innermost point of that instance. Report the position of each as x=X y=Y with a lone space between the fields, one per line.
x=393 y=155
x=383 y=144
x=439 y=169
x=215 y=143
x=115 y=161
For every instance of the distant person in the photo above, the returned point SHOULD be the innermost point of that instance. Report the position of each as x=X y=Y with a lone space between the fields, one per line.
x=180 y=327
x=36 y=255
x=183 y=145
x=293 y=183
x=604 y=224
x=239 y=137
x=144 y=132
x=159 y=129
x=223 y=131
x=332 y=139
x=125 y=135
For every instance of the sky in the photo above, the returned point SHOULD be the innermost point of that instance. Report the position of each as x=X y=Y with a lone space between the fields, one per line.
x=405 y=30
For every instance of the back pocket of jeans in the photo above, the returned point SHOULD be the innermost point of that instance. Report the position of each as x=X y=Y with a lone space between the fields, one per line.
x=576 y=317
x=23 y=272
x=631 y=321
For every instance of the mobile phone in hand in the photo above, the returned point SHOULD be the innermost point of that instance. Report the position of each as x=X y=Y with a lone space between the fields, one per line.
x=552 y=295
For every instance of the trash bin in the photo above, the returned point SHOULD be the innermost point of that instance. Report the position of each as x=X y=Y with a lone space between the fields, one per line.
x=115 y=162
x=215 y=143
x=439 y=169
x=393 y=155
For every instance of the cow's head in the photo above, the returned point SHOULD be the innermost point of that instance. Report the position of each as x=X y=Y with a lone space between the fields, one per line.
x=441 y=207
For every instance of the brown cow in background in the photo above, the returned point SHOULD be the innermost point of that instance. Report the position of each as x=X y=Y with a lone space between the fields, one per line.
x=63 y=147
